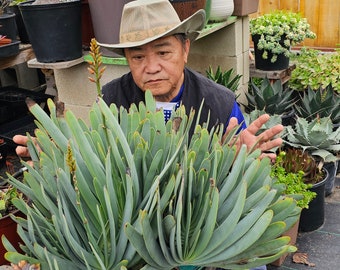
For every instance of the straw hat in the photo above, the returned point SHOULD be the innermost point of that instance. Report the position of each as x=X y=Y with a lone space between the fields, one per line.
x=144 y=21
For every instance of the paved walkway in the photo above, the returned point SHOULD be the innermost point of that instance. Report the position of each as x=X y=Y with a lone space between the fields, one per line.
x=322 y=245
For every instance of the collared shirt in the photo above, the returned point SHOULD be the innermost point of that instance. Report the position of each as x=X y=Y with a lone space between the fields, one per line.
x=174 y=104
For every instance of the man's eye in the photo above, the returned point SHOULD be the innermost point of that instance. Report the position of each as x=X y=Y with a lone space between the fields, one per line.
x=163 y=53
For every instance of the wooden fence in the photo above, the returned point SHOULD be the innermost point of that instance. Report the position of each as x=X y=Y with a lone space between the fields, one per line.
x=322 y=15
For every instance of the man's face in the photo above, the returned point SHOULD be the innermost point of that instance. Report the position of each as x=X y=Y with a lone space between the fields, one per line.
x=158 y=66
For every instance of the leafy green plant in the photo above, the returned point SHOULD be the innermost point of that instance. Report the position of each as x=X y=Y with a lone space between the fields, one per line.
x=315 y=69
x=225 y=78
x=7 y=194
x=132 y=191
x=292 y=169
x=271 y=98
x=323 y=102
x=315 y=136
x=278 y=31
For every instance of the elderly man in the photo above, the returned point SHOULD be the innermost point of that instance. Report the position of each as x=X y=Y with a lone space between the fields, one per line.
x=156 y=45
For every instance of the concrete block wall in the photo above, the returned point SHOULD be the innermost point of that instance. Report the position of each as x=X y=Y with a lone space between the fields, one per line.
x=227 y=47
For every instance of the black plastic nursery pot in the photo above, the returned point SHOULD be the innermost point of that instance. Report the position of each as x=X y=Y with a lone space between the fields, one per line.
x=8 y=25
x=314 y=217
x=282 y=61
x=54 y=30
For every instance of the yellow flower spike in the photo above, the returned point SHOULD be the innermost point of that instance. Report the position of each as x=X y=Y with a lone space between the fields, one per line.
x=95 y=65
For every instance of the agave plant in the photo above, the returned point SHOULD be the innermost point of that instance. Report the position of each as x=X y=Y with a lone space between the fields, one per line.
x=132 y=191
x=225 y=78
x=316 y=136
x=319 y=103
x=271 y=98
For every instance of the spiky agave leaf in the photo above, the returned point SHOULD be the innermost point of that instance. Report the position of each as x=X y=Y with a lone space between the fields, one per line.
x=316 y=136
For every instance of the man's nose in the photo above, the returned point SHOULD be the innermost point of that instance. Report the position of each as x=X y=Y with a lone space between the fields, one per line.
x=152 y=64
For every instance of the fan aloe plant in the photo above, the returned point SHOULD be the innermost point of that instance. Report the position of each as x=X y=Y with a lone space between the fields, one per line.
x=316 y=136
x=132 y=191
x=272 y=98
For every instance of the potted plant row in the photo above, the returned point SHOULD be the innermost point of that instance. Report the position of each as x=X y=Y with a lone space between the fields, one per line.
x=274 y=34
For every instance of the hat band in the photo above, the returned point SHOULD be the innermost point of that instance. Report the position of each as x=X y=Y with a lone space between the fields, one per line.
x=142 y=35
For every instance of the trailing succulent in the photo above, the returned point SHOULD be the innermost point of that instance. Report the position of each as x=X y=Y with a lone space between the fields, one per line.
x=134 y=192
x=316 y=136
x=323 y=102
x=271 y=98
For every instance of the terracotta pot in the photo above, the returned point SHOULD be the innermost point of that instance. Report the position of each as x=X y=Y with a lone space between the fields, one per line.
x=185 y=8
x=8 y=227
x=292 y=233
x=245 y=7
x=106 y=22
x=87 y=32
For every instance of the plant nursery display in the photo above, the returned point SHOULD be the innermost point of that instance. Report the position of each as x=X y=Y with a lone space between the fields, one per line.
x=274 y=34
x=133 y=192
x=320 y=139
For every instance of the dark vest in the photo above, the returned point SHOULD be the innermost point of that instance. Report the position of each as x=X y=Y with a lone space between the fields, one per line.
x=218 y=100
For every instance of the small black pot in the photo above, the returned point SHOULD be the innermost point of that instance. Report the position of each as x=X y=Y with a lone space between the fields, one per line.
x=23 y=36
x=314 y=217
x=8 y=26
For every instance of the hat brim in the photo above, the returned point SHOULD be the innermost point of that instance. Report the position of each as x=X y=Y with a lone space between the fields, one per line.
x=190 y=26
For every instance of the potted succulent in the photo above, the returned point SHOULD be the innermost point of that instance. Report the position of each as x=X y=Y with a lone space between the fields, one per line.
x=322 y=102
x=225 y=78
x=8 y=226
x=319 y=138
x=291 y=175
x=297 y=161
x=54 y=29
x=271 y=98
x=273 y=35
x=132 y=191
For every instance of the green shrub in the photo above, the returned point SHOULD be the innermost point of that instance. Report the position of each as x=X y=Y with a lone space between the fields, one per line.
x=316 y=69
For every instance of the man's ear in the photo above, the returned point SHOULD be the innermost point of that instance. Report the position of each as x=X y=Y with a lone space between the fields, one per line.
x=186 y=50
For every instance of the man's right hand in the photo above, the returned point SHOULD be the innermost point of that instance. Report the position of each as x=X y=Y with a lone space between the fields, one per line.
x=21 y=149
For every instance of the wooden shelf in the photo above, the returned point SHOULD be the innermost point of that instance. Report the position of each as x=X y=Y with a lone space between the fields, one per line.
x=25 y=53
x=283 y=75
x=33 y=63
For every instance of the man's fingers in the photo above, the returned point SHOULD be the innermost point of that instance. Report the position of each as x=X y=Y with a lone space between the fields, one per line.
x=271 y=133
x=20 y=139
x=22 y=151
x=266 y=146
x=255 y=126
x=232 y=124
